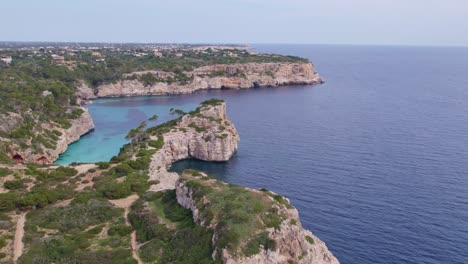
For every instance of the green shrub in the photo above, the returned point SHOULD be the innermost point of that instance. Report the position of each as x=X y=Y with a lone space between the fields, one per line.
x=14 y=184
x=212 y=102
x=197 y=128
x=153 y=118
x=8 y=201
x=103 y=165
x=116 y=190
x=122 y=170
x=3 y=242
x=57 y=175
x=310 y=239
x=4 y=172
x=193 y=172
x=262 y=239
x=96 y=230
x=157 y=144
x=119 y=230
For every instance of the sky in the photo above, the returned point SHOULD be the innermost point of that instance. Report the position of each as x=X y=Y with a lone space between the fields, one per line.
x=369 y=22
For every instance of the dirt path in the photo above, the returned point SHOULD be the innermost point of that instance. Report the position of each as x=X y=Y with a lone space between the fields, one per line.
x=126 y=203
x=18 y=240
x=134 y=243
x=13 y=167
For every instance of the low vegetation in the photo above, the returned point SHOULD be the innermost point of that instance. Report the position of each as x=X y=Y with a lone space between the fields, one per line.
x=67 y=235
x=168 y=232
x=237 y=213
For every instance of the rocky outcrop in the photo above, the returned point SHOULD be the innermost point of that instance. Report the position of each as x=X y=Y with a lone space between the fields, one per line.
x=84 y=93
x=30 y=154
x=293 y=243
x=242 y=76
x=79 y=127
x=205 y=134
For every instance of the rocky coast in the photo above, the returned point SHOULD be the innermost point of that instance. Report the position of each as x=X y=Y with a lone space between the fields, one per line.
x=229 y=76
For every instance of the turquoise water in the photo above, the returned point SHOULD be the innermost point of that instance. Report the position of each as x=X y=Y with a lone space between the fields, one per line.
x=113 y=119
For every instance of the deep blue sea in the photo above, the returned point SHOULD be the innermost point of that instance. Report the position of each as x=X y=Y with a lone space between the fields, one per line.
x=375 y=159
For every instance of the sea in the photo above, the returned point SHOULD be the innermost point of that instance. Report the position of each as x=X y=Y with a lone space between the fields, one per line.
x=375 y=159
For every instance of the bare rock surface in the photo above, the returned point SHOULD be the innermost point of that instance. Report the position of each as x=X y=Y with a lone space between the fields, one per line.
x=207 y=135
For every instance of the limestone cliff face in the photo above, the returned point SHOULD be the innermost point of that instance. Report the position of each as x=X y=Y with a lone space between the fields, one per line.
x=241 y=76
x=84 y=93
x=79 y=127
x=206 y=135
x=293 y=243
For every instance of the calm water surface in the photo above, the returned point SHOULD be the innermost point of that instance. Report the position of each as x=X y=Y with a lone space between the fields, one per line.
x=375 y=159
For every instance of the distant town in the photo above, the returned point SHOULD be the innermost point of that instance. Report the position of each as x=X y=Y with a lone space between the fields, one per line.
x=59 y=52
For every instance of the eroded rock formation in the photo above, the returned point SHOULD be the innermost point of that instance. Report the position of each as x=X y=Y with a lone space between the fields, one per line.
x=205 y=135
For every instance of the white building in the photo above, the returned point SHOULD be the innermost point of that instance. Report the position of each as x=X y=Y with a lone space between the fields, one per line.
x=58 y=59
x=7 y=60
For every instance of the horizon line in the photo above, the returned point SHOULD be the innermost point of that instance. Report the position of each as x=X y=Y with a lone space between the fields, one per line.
x=243 y=43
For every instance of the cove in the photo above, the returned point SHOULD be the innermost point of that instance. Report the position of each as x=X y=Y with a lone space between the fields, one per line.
x=113 y=118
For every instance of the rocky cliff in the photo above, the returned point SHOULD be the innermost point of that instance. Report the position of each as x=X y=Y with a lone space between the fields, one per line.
x=241 y=76
x=284 y=241
x=47 y=153
x=204 y=134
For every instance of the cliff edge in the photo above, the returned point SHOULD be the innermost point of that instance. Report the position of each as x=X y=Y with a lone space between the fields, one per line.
x=49 y=141
x=249 y=226
x=220 y=76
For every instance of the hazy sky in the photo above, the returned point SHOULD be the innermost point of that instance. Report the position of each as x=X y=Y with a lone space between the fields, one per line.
x=402 y=22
